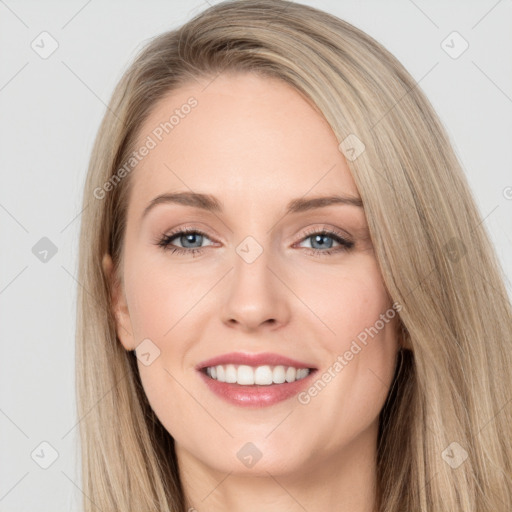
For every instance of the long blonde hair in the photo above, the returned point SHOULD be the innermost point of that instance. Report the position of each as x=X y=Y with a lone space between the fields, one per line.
x=451 y=396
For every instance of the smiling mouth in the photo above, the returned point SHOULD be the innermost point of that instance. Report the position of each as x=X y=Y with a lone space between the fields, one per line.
x=264 y=375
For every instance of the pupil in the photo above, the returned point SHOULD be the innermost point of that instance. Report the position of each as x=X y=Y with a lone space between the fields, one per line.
x=318 y=238
x=190 y=237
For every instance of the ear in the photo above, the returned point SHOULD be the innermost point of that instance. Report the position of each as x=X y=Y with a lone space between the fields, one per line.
x=118 y=305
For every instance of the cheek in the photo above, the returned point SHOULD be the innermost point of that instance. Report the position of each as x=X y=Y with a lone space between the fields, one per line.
x=360 y=342
x=366 y=325
x=345 y=300
x=159 y=298
x=341 y=302
x=335 y=306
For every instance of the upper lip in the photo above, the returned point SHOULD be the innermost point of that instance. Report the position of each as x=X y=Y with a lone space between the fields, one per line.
x=260 y=359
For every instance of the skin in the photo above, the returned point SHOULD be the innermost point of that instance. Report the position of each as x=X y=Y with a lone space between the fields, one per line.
x=256 y=143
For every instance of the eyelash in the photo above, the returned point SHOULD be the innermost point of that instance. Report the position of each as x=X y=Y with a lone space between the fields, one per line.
x=345 y=245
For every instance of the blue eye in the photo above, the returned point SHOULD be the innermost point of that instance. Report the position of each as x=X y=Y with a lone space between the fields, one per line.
x=185 y=236
x=318 y=237
x=192 y=236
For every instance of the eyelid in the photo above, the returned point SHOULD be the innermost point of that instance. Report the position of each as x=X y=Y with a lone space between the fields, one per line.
x=193 y=228
x=185 y=230
x=328 y=229
x=309 y=230
x=344 y=238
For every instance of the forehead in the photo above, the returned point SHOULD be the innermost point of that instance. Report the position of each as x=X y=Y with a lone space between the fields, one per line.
x=247 y=138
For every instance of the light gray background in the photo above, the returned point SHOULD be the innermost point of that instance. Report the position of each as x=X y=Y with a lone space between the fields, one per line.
x=50 y=111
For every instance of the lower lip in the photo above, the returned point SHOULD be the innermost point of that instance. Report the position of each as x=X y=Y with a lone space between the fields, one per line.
x=254 y=395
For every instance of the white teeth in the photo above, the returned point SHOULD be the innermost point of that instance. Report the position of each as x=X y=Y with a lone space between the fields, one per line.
x=230 y=373
x=279 y=374
x=245 y=375
x=301 y=373
x=291 y=373
x=220 y=373
x=262 y=375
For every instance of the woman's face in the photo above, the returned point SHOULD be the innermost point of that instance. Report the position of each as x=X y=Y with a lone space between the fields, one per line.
x=254 y=278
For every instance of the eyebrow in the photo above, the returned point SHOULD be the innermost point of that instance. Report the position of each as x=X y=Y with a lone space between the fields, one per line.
x=211 y=203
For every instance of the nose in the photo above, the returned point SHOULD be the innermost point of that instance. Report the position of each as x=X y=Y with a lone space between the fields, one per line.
x=256 y=297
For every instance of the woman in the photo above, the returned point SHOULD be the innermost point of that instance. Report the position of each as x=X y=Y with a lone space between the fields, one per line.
x=340 y=336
